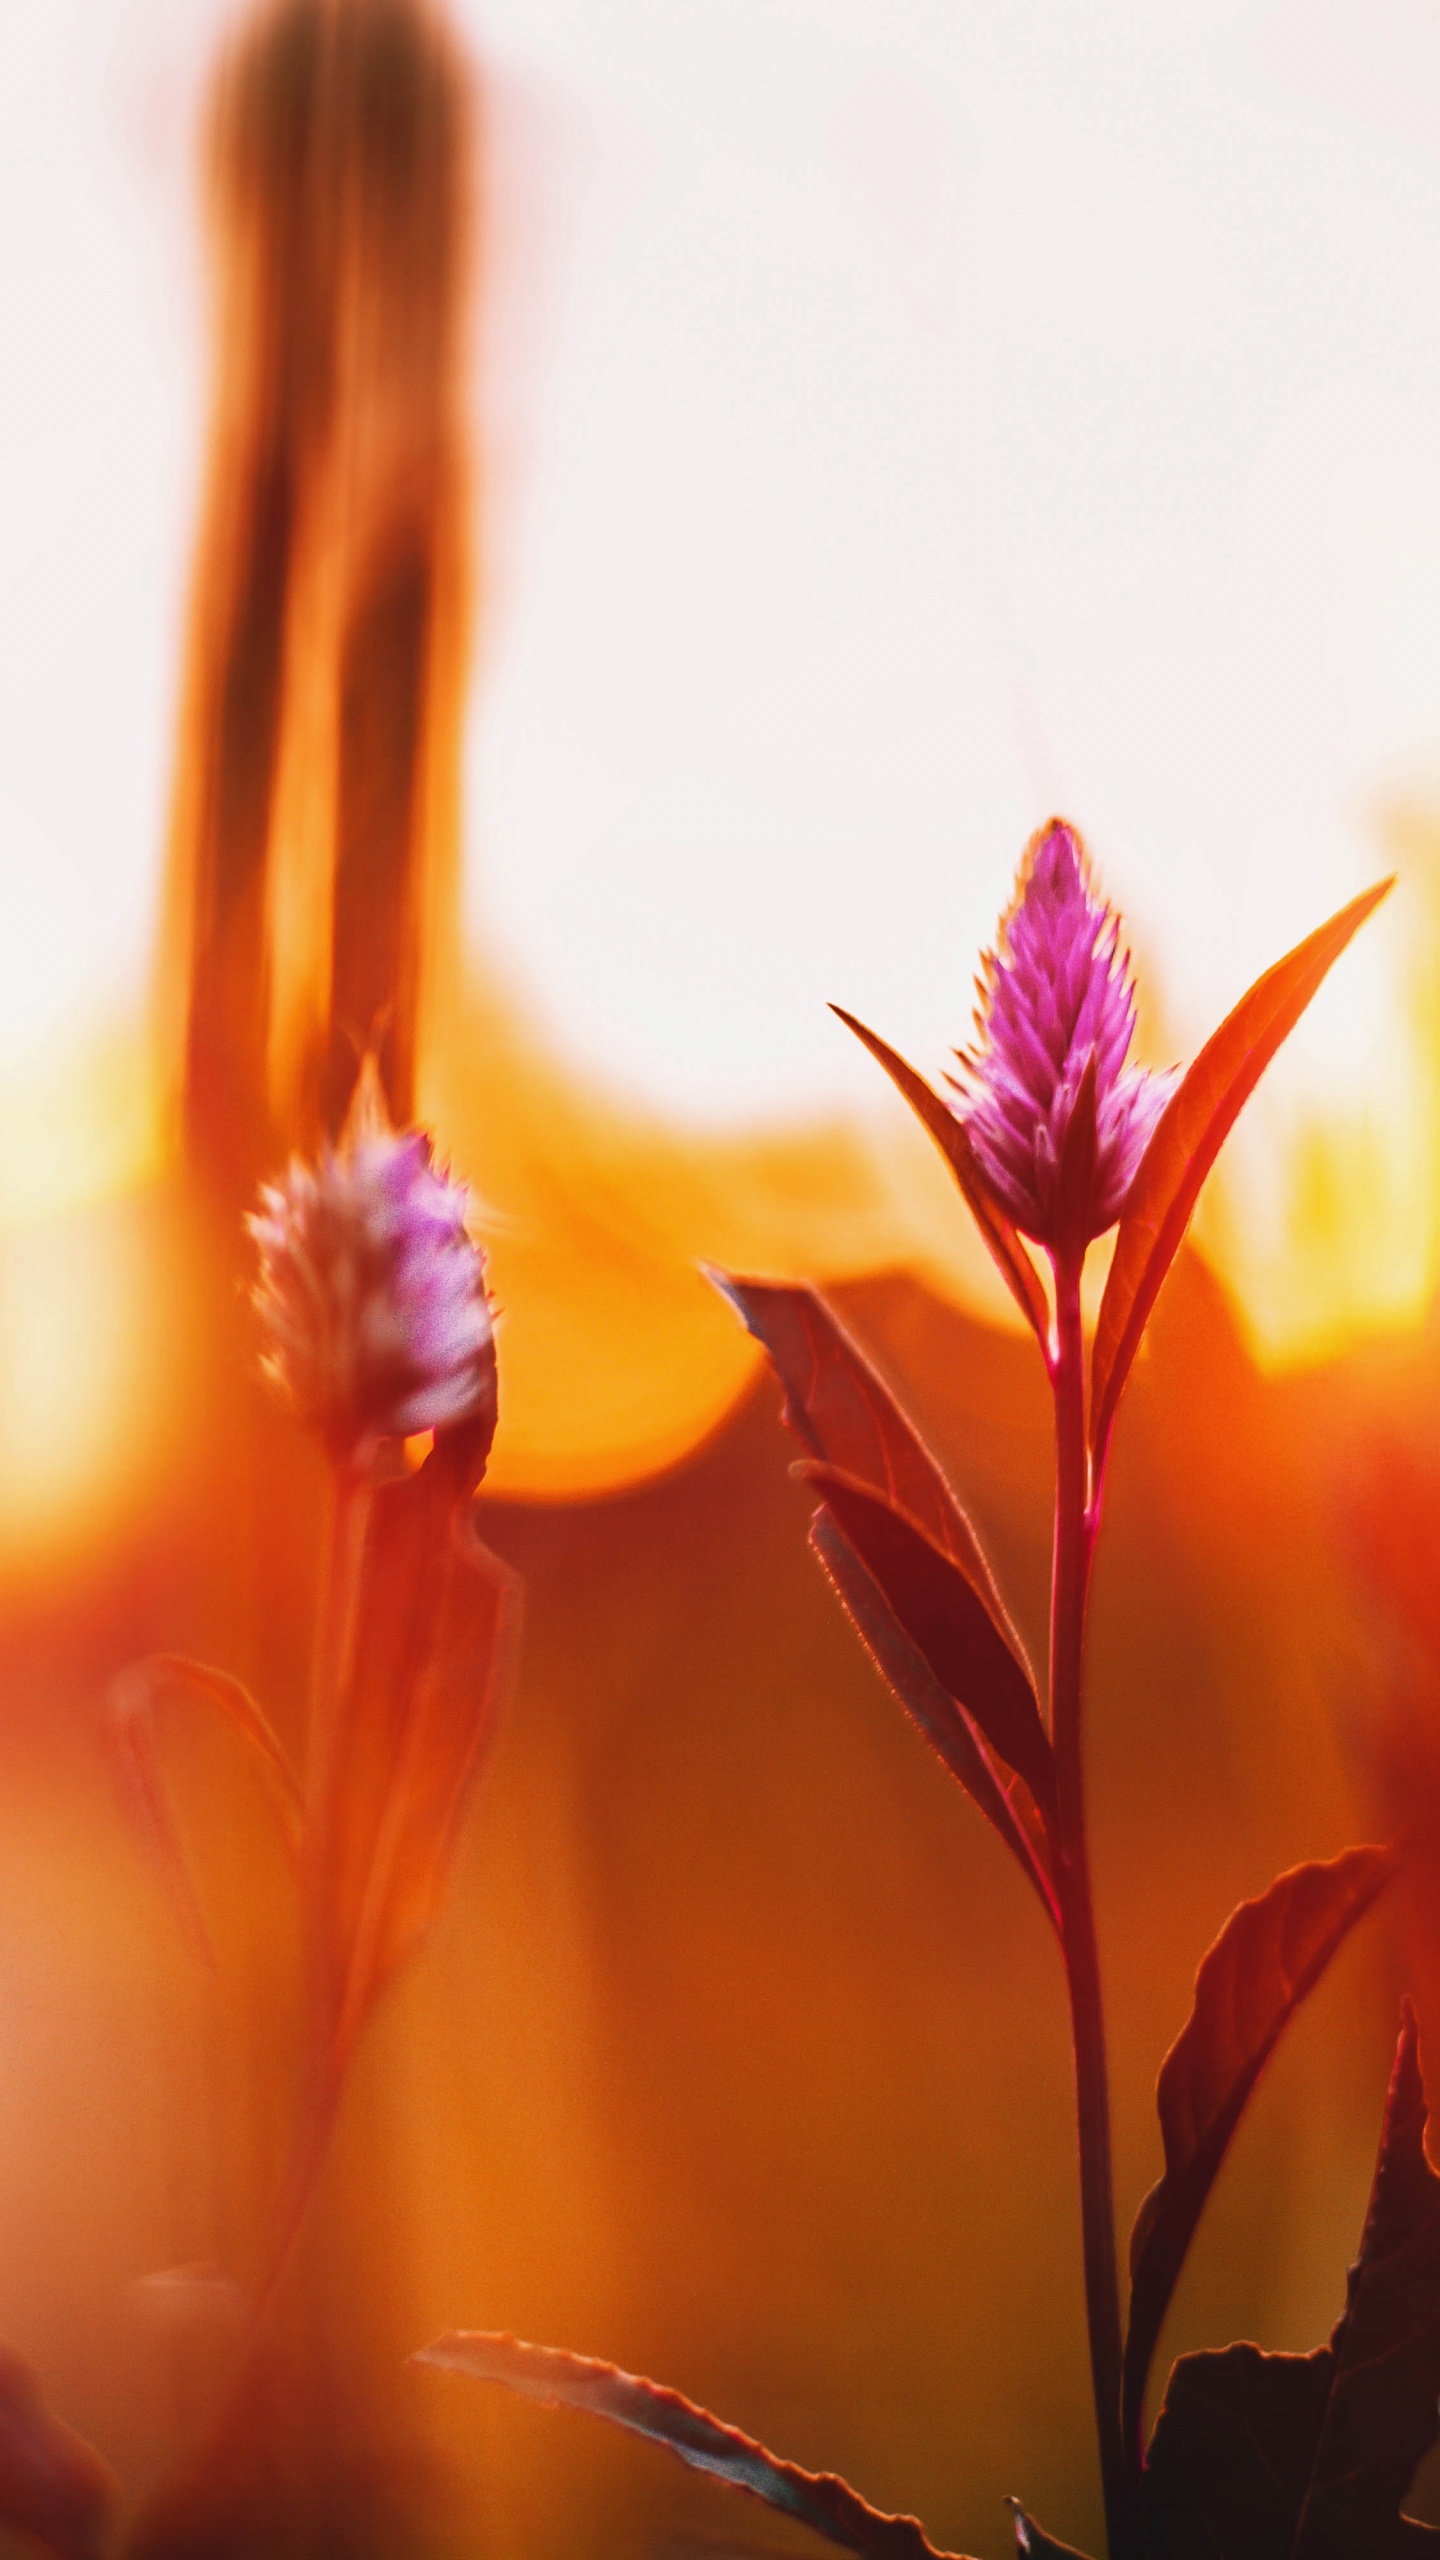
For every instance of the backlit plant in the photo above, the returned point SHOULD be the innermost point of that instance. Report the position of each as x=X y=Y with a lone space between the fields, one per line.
x=1054 y=1138
x=376 y=1328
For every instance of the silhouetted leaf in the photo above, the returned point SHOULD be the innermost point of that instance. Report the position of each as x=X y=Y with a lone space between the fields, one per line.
x=647 y=2409
x=438 y=1617
x=53 y=2485
x=841 y=1410
x=1188 y=1137
x=1267 y=1959
x=1259 y=2457
x=132 y=1710
x=953 y=1139
x=1032 y=2544
x=1002 y=1798
x=948 y=1623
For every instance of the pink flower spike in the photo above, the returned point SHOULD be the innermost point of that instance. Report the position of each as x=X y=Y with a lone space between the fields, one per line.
x=371 y=1291
x=1054 y=1026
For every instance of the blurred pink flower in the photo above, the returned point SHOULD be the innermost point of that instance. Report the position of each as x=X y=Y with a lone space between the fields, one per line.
x=371 y=1291
x=1057 y=995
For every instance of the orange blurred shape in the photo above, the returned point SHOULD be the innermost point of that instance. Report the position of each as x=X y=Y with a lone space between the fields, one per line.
x=315 y=846
x=314 y=813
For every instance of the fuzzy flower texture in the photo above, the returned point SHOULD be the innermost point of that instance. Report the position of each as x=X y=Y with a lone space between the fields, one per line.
x=371 y=1292
x=1056 y=995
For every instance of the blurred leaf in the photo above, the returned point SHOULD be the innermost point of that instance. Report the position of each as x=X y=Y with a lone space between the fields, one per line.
x=952 y=1138
x=1002 y=1798
x=647 y=2409
x=843 y=1412
x=946 y=1620
x=53 y=2485
x=1187 y=1139
x=1259 y=2457
x=437 y=1624
x=132 y=1709
x=1032 y=2544
x=1267 y=1959
x=1391 y=1514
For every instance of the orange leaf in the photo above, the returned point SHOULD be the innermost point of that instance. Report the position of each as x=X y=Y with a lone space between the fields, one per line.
x=1004 y=1799
x=1002 y=1236
x=949 y=1625
x=843 y=1412
x=840 y=1408
x=54 y=2487
x=827 y=2505
x=437 y=1621
x=1310 y=2456
x=1187 y=1139
x=1267 y=1959
x=132 y=1707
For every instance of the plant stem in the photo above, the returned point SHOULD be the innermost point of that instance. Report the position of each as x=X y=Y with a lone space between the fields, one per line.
x=335 y=1627
x=1074 y=1543
x=332 y=1661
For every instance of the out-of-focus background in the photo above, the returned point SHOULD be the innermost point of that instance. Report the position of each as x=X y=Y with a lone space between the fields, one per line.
x=554 y=541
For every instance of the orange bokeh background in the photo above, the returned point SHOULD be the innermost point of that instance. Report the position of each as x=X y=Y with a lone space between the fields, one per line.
x=740 y=2055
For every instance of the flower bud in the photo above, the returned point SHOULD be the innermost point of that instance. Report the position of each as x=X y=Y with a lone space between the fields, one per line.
x=1054 y=1026
x=371 y=1292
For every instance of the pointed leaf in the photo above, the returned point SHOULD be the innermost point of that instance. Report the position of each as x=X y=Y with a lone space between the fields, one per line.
x=818 y=2499
x=133 y=1703
x=949 y=1625
x=841 y=1410
x=1002 y=1798
x=1187 y=1139
x=1001 y=1235
x=1268 y=1957
x=1308 y=2457
x=54 y=2488
x=438 y=1620
x=1032 y=2544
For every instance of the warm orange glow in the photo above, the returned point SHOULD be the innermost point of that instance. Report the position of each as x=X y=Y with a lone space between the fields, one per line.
x=336 y=491
x=92 y=1363
x=79 y=1122
x=1324 y=1219
x=617 y=1358
x=736 y=2051
x=93 y=1372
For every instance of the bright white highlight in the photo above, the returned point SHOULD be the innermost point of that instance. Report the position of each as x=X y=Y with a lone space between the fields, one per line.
x=901 y=417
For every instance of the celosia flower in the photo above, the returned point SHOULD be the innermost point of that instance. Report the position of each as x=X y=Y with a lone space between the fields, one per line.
x=1056 y=1001
x=371 y=1291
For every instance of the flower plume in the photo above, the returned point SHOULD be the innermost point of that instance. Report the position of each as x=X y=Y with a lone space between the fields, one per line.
x=1058 y=1120
x=371 y=1292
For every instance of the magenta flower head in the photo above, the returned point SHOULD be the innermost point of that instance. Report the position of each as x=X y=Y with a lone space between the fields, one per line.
x=1057 y=1119
x=371 y=1291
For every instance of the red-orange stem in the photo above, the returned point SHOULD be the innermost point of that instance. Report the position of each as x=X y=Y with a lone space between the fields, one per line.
x=1074 y=1544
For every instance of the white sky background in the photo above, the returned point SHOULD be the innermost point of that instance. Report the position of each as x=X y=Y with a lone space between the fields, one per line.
x=903 y=416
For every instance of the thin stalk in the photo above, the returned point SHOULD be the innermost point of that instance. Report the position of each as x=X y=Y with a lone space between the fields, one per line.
x=335 y=1627
x=1074 y=1543
x=332 y=1664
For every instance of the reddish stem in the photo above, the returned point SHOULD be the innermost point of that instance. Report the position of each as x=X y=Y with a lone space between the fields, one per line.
x=335 y=1629
x=1075 y=1525
x=336 y=1619
x=350 y=1495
